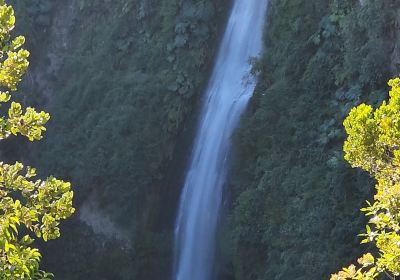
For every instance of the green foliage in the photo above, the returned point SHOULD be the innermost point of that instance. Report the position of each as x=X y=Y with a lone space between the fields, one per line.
x=41 y=206
x=27 y=207
x=373 y=145
x=133 y=90
x=293 y=194
x=132 y=76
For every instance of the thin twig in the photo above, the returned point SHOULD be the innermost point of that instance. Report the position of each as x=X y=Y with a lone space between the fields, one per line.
x=390 y=276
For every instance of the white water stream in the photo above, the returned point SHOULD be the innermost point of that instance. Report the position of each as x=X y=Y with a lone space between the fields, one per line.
x=228 y=92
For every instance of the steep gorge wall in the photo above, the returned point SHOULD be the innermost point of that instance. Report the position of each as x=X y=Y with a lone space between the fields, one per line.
x=121 y=80
x=295 y=201
x=122 y=95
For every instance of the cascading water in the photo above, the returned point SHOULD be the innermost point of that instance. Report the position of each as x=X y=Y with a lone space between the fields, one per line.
x=228 y=92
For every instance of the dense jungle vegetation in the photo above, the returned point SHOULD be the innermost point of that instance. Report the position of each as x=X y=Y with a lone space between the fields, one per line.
x=122 y=81
x=119 y=79
x=294 y=197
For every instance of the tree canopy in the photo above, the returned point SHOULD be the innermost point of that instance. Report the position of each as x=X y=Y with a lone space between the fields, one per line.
x=29 y=208
x=373 y=144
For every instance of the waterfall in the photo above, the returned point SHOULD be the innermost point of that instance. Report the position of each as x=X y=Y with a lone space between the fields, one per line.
x=229 y=90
